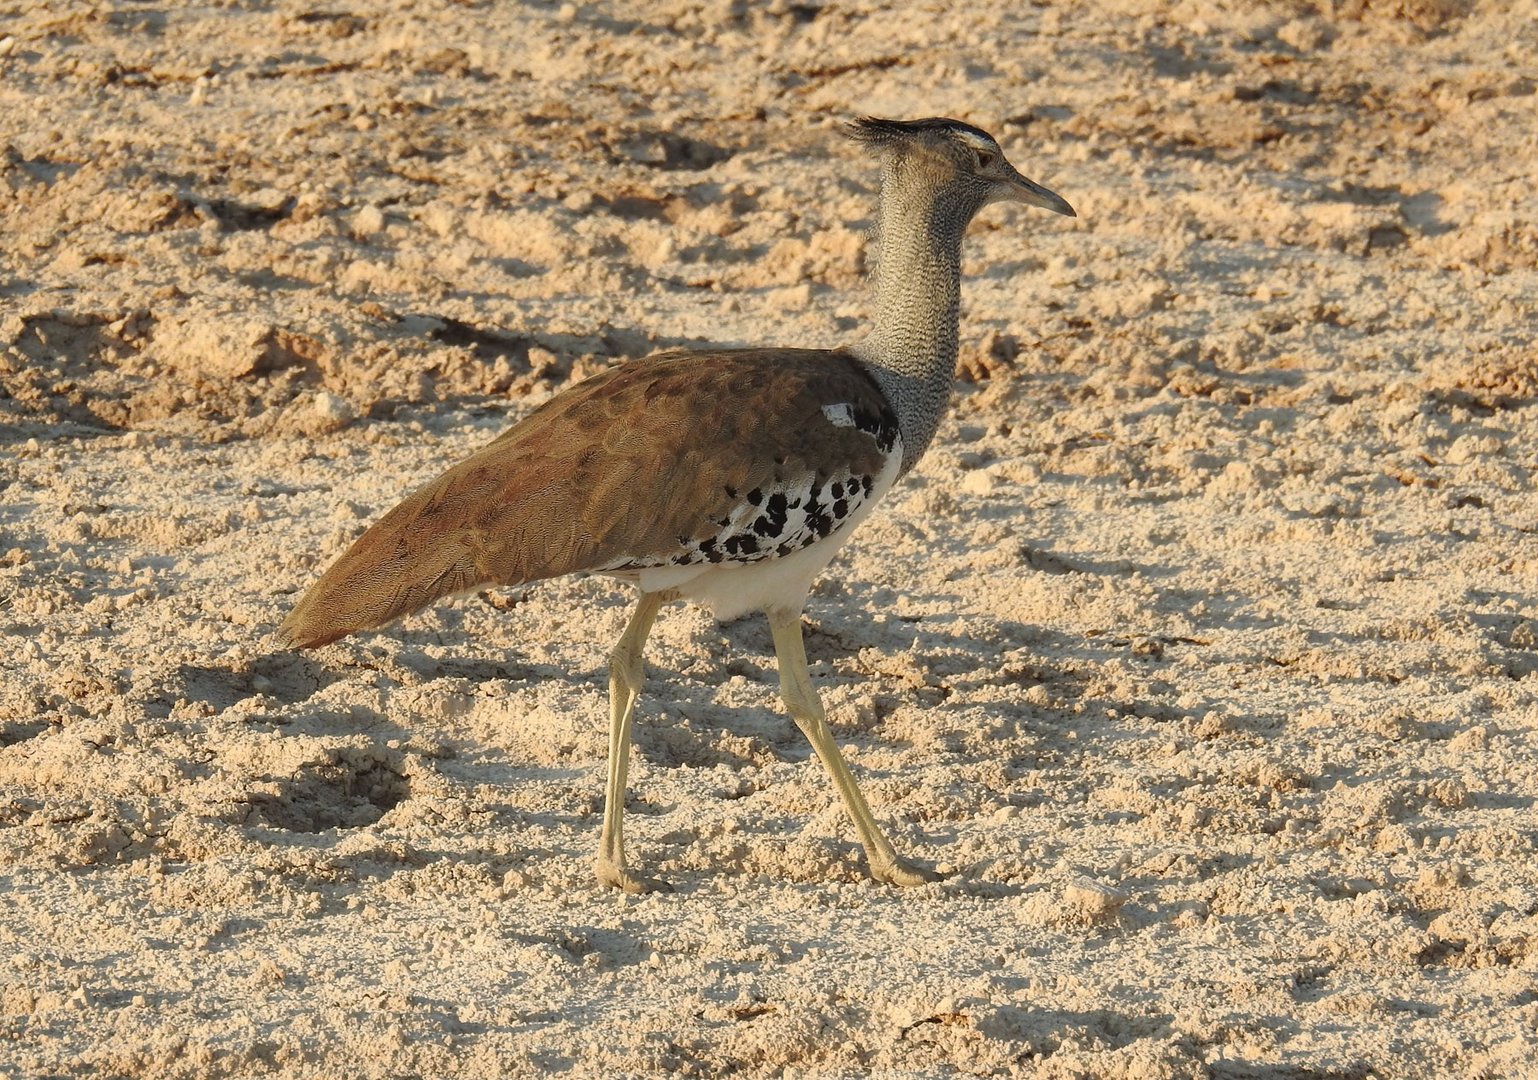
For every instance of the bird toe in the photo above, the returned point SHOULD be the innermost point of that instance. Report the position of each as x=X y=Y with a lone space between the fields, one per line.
x=904 y=874
x=617 y=877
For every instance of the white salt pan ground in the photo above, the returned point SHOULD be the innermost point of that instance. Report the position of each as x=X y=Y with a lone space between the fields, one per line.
x=1200 y=652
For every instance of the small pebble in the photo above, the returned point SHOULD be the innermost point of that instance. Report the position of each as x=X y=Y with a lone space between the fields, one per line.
x=1093 y=900
x=333 y=411
x=368 y=221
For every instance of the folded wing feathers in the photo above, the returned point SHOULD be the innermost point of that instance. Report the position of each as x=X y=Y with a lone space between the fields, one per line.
x=624 y=464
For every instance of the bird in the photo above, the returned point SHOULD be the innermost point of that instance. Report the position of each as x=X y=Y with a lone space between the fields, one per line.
x=726 y=477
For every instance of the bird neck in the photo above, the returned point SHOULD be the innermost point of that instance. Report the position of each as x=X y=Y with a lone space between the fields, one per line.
x=911 y=349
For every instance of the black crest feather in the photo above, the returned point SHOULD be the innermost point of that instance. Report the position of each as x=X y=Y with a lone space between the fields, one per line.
x=877 y=132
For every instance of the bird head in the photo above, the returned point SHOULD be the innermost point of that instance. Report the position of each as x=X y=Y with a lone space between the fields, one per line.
x=949 y=153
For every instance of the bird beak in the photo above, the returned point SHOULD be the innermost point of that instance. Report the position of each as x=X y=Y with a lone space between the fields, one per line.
x=1023 y=189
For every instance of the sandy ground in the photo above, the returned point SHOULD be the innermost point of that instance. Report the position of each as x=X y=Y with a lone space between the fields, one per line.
x=1200 y=651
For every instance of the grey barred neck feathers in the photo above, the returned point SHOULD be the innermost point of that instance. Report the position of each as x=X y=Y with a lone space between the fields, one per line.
x=916 y=284
x=936 y=175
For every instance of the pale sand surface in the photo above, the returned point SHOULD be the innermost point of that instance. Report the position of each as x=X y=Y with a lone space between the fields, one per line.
x=1200 y=651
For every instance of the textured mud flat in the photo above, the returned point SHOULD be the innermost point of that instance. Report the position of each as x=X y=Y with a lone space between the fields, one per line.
x=1200 y=652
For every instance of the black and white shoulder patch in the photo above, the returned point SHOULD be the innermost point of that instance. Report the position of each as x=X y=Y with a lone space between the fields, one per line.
x=880 y=426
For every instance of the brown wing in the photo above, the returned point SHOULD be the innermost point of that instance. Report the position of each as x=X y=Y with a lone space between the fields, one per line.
x=632 y=464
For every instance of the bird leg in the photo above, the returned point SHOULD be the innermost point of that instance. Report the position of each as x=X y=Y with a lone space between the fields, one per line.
x=806 y=710
x=626 y=675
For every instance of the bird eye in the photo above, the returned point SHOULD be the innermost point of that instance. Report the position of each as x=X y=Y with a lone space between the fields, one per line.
x=984 y=158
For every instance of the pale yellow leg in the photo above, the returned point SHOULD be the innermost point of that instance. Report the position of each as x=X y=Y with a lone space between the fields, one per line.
x=806 y=710
x=626 y=674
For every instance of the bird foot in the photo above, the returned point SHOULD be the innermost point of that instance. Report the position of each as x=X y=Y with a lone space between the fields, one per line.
x=903 y=873
x=617 y=877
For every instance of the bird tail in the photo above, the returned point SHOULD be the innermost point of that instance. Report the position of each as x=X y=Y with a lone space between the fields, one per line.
x=410 y=557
